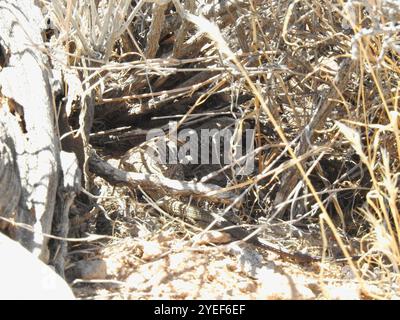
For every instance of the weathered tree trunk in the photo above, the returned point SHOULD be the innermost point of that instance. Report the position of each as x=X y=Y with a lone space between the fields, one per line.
x=36 y=186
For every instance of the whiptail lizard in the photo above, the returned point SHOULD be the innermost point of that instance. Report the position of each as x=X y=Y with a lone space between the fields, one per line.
x=145 y=159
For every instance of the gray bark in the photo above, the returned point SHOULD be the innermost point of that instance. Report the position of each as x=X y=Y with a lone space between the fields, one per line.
x=34 y=192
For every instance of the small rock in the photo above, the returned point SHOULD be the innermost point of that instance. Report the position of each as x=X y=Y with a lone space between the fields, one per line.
x=249 y=260
x=247 y=286
x=215 y=237
x=90 y=269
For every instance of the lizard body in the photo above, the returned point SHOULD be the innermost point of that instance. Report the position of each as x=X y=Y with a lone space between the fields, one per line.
x=146 y=159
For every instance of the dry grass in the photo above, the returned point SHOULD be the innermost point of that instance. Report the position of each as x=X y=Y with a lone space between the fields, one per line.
x=318 y=80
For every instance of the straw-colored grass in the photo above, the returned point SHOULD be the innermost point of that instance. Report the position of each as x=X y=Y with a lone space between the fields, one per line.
x=318 y=80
